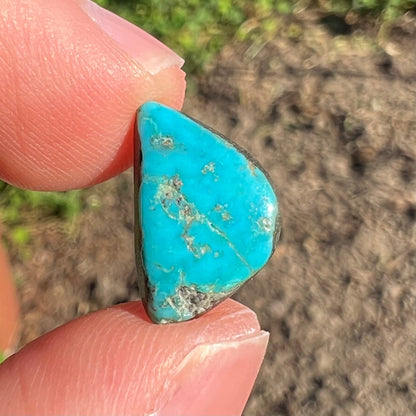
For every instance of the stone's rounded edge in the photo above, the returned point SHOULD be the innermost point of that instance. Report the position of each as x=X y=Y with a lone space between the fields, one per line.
x=145 y=111
x=137 y=173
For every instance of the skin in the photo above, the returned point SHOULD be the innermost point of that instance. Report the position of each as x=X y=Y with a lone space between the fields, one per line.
x=71 y=79
x=9 y=307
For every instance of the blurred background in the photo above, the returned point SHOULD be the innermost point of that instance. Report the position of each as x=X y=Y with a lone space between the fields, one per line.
x=323 y=94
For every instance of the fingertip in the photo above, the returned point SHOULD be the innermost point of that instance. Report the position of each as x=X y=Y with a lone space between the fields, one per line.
x=116 y=361
x=69 y=93
x=216 y=379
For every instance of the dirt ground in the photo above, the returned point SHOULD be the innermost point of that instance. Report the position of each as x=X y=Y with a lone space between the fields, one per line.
x=332 y=119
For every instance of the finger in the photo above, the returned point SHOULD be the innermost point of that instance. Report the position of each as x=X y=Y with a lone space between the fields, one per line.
x=72 y=76
x=117 y=362
x=9 y=309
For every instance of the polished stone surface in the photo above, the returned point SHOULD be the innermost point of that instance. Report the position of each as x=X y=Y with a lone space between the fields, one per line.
x=207 y=216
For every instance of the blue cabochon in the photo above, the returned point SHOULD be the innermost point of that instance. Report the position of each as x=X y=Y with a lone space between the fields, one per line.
x=207 y=215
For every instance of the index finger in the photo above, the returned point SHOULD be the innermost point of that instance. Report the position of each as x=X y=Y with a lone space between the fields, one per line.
x=71 y=78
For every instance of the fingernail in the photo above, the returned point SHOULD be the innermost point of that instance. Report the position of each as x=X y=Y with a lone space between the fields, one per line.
x=216 y=379
x=152 y=54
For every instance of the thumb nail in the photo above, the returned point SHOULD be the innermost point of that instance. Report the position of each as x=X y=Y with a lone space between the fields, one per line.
x=216 y=379
x=152 y=54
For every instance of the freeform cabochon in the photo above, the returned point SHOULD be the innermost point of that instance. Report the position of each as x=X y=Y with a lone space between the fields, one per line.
x=207 y=217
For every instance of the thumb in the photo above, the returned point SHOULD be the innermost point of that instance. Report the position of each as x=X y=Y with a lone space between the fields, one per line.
x=71 y=78
x=117 y=362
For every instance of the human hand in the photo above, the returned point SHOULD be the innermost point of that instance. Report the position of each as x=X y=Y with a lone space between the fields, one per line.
x=70 y=85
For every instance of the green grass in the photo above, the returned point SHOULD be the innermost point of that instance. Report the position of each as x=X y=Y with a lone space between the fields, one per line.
x=14 y=201
x=20 y=208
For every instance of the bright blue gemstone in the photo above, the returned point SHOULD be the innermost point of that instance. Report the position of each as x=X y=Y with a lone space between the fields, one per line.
x=207 y=215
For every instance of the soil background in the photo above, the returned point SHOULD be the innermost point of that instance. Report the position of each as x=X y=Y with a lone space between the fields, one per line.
x=328 y=108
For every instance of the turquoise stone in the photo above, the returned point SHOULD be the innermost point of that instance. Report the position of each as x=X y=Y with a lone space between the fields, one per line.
x=207 y=216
